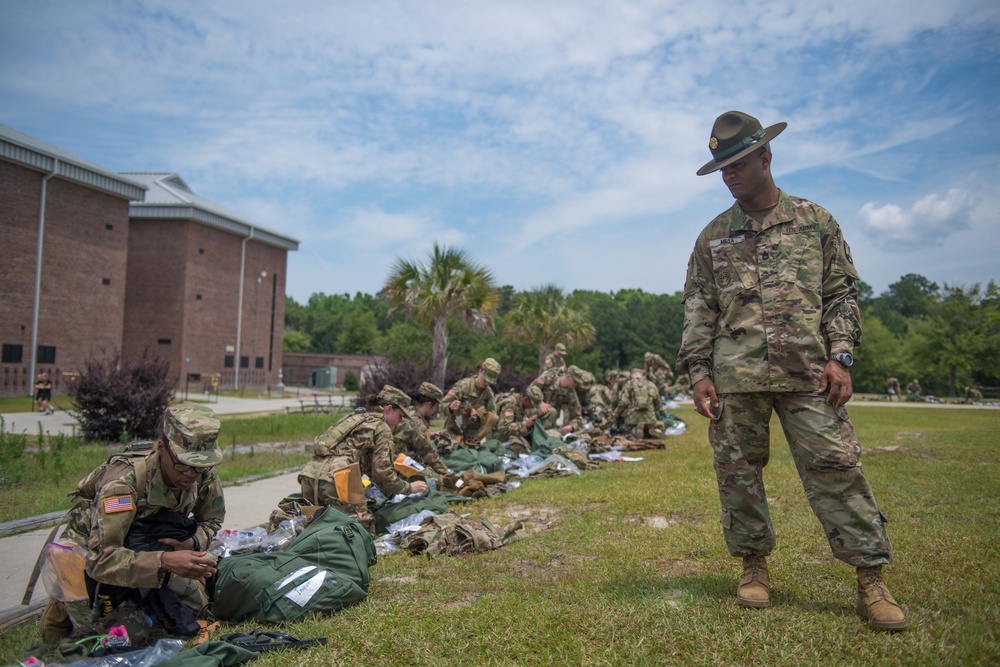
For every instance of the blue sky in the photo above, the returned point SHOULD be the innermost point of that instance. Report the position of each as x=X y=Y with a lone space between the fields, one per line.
x=556 y=141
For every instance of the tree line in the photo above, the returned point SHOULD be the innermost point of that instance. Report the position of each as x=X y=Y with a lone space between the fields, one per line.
x=446 y=312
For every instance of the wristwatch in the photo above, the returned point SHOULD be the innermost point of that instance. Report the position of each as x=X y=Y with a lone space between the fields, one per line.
x=844 y=358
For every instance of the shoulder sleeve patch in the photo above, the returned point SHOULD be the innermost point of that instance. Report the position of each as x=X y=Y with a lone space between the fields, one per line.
x=118 y=504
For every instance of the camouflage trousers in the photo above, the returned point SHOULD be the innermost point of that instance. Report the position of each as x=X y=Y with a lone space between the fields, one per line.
x=321 y=492
x=826 y=454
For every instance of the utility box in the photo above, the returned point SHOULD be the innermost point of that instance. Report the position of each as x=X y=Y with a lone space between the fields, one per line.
x=325 y=378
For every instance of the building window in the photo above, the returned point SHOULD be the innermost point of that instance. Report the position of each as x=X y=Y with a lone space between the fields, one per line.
x=201 y=251
x=12 y=353
x=197 y=297
x=105 y=281
x=259 y=362
x=244 y=362
x=163 y=341
x=228 y=362
x=46 y=354
x=109 y=227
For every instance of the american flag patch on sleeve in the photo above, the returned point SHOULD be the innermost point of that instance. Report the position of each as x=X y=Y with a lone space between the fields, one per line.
x=118 y=504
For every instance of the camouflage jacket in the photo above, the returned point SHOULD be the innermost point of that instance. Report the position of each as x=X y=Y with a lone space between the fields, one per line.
x=472 y=398
x=410 y=436
x=513 y=418
x=362 y=438
x=657 y=369
x=552 y=361
x=765 y=304
x=638 y=402
x=109 y=500
x=545 y=389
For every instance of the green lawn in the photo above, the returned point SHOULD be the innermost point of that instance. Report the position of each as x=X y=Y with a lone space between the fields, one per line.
x=625 y=565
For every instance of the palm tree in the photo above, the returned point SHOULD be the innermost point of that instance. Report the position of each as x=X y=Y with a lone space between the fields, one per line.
x=545 y=316
x=450 y=283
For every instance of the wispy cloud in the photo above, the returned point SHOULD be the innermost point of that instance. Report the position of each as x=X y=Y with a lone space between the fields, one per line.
x=928 y=222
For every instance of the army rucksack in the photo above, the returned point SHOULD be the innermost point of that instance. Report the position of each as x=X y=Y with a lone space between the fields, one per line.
x=640 y=396
x=323 y=570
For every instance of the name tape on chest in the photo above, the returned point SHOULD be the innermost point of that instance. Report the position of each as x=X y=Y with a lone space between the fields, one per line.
x=729 y=240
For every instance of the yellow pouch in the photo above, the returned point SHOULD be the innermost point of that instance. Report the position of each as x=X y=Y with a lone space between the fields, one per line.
x=406 y=466
x=350 y=488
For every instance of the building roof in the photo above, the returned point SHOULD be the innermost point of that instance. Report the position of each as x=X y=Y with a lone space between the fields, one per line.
x=168 y=196
x=21 y=149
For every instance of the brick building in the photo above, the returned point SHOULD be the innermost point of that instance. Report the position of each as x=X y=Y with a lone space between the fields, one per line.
x=219 y=309
x=94 y=261
x=63 y=245
x=306 y=368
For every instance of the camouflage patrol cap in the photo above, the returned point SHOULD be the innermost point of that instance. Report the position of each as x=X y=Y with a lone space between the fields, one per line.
x=192 y=430
x=491 y=369
x=392 y=396
x=560 y=347
x=583 y=378
x=431 y=390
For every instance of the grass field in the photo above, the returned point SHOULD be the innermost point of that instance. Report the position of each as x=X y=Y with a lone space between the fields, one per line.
x=625 y=565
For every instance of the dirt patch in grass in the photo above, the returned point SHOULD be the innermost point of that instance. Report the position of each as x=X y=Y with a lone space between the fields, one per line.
x=659 y=522
x=402 y=579
x=678 y=566
x=900 y=449
x=463 y=601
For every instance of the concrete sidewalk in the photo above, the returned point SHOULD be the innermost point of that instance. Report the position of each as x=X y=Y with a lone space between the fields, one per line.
x=247 y=505
x=61 y=422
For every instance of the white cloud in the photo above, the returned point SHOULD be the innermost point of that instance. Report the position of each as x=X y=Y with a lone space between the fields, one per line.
x=928 y=222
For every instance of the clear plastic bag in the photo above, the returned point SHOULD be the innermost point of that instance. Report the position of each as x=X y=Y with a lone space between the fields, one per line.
x=163 y=650
x=62 y=571
x=283 y=535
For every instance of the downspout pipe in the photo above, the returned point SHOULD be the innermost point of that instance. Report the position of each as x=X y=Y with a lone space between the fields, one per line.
x=33 y=355
x=239 y=308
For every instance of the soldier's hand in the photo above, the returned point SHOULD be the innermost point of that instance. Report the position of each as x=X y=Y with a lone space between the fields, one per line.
x=837 y=380
x=566 y=429
x=186 y=545
x=706 y=401
x=188 y=564
x=418 y=487
x=544 y=408
x=455 y=405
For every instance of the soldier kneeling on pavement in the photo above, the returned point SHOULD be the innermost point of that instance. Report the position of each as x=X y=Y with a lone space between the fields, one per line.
x=143 y=522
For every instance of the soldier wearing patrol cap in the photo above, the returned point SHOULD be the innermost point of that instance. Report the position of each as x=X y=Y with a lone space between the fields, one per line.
x=554 y=391
x=176 y=475
x=470 y=406
x=359 y=444
x=412 y=436
x=770 y=324
x=556 y=358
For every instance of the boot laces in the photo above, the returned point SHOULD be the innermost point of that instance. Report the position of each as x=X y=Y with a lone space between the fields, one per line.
x=874 y=583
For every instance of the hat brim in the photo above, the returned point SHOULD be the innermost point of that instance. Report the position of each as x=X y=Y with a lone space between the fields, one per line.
x=203 y=458
x=769 y=133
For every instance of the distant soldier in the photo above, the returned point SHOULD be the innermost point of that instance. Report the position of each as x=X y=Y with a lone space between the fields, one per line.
x=583 y=385
x=893 y=389
x=555 y=359
x=554 y=391
x=683 y=385
x=599 y=398
x=470 y=406
x=973 y=396
x=517 y=421
x=364 y=439
x=914 y=392
x=637 y=405
x=658 y=371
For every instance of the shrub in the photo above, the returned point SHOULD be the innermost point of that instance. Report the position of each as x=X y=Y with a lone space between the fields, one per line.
x=350 y=381
x=117 y=398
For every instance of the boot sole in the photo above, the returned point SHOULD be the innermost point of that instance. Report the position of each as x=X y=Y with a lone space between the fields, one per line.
x=753 y=604
x=890 y=626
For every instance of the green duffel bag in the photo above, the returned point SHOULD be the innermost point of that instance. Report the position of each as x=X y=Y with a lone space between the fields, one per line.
x=323 y=570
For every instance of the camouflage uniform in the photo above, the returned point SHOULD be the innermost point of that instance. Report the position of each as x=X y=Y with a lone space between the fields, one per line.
x=110 y=499
x=410 y=436
x=657 y=369
x=554 y=361
x=514 y=427
x=362 y=438
x=584 y=382
x=637 y=405
x=892 y=388
x=473 y=399
x=599 y=398
x=545 y=389
x=766 y=303
x=914 y=389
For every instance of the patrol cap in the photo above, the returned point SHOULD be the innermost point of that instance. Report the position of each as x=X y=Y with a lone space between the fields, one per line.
x=192 y=431
x=560 y=347
x=491 y=369
x=392 y=396
x=431 y=391
x=582 y=377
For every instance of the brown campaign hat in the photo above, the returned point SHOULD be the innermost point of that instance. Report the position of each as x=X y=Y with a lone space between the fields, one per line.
x=734 y=135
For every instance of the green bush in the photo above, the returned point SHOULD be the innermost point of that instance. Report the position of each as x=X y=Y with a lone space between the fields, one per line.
x=350 y=381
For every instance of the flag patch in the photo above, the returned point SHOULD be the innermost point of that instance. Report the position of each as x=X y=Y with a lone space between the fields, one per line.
x=118 y=504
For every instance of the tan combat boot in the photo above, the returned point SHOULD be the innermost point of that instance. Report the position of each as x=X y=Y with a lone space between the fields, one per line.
x=755 y=586
x=875 y=603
